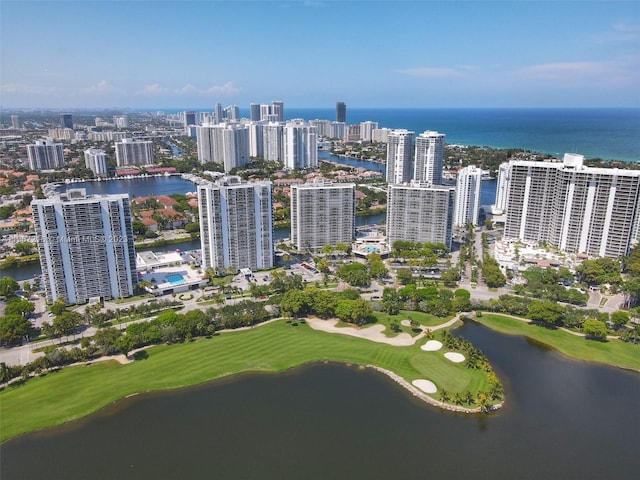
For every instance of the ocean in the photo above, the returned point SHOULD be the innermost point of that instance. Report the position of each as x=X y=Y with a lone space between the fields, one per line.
x=606 y=133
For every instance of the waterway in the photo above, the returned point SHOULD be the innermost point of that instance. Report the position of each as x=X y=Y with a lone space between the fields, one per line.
x=562 y=420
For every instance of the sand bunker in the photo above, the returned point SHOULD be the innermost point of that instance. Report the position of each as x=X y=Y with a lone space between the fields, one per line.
x=425 y=385
x=431 y=346
x=373 y=333
x=454 y=357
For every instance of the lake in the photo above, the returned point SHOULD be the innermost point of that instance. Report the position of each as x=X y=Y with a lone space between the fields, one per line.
x=563 y=420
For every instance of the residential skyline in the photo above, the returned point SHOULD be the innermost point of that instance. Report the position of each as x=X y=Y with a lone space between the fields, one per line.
x=170 y=54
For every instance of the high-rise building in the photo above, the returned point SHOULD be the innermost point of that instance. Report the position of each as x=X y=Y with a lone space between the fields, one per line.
x=15 y=122
x=366 y=130
x=236 y=224
x=96 y=161
x=219 y=113
x=420 y=212
x=468 y=187
x=61 y=134
x=323 y=127
x=45 y=155
x=86 y=246
x=300 y=146
x=254 y=112
x=273 y=138
x=400 y=156
x=134 y=152
x=277 y=108
x=429 y=158
x=337 y=130
x=121 y=121
x=189 y=119
x=575 y=208
x=66 y=120
x=502 y=188
x=322 y=213
x=232 y=113
x=225 y=143
x=341 y=112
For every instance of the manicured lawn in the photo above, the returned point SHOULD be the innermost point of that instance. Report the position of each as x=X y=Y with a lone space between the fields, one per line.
x=612 y=352
x=75 y=392
x=424 y=318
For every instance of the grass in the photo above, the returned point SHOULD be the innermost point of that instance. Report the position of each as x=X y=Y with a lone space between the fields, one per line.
x=613 y=352
x=132 y=299
x=424 y=319
x=75 y=392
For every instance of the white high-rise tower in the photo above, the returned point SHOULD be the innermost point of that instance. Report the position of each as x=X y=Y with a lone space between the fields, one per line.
x=86 y=246
x=429 y=158
x=400 y=156
x=467 y=196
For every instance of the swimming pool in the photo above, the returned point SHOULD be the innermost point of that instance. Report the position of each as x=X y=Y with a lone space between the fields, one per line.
x=175 y=278
x=371 y=249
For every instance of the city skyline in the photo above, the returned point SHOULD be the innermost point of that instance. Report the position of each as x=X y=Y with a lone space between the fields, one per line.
x=170 y=54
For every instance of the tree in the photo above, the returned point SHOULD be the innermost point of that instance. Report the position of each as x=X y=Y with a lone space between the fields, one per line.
x=107 y=340
x=357 y=311
x=13 y=328
x=405 y=276
x=66 y=322
x=461 y=301
x=8 y=286
x=450 y=277
x=58 y=306
x=18 y=306
x=600 y=271
x=390 y=301
x=355 y=274
x=25 y=248
x=620 y=318
x=546 y=312
x=376 y=266
x=594 y=329
x=295 y=302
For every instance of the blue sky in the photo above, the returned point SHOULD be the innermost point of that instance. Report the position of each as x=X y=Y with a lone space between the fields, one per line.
x=181 y=54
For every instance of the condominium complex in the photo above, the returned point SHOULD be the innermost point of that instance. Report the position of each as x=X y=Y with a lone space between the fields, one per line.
x=322 y=213
x=236 y=224
x=300 y=146
x=502 y=188
x=400 y=156
x=468 y=187
x=45 y=155
x=96 y=161
x=366 y=130
x=224 y=143
x=134 y=152
x=420 y=212
x=429 y=157
x=86 y=246
x=575 y=208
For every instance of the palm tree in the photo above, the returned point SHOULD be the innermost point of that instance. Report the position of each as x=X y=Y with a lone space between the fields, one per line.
x=483 y=402
x=444 y=396
x=458 y=399
x=468 y=397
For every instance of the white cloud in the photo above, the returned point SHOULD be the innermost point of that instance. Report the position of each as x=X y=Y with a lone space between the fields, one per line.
x=561 y=70
x=227 y=90
x=155 y=89
x=101 y=88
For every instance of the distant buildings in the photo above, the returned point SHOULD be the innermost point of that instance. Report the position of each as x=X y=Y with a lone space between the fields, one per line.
x=575 y=208
x=15 y=122
x=270 y=113
x=300 y=146
x=429 y=157
x=45 y=155
x=254 y=112
x=86 y=246
x=66 y=120
x=121 y=121
x=468 y=188
x=366 y=130
x=224 y=143
x=341 y=112
x=236 y=223
x=134 y=152
x=96 y=161
x=189 y=119
x=400 y=156
x=419 y=212
x=322 y=213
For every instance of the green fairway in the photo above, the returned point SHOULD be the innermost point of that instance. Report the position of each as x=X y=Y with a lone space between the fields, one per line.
x=75 y=392
x=424 y=319
x=612 y=352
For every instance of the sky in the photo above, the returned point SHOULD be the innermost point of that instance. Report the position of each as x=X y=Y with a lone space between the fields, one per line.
x=193 y=54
